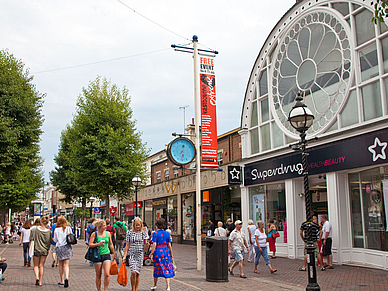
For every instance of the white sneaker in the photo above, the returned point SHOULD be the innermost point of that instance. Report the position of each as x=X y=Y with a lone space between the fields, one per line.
x=154 y=288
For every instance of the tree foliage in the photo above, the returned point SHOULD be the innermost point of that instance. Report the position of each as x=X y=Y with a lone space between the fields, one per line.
x=381 y=11
x=101 y=148
x=20 y=129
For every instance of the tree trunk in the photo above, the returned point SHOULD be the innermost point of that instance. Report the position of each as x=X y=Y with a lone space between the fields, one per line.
x=2 y=216
x=82 y=232
x=107 y=206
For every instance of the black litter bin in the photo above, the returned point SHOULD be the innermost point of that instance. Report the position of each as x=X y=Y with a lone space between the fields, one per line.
x=216 y=259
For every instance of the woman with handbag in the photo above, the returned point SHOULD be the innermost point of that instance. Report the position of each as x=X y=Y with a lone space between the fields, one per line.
x=261 y=247
x=272 y=235
x=25 y=240
x=135 y=242
x=63 y=249
x=102 y=240
x=161 y=254
x=40 y=241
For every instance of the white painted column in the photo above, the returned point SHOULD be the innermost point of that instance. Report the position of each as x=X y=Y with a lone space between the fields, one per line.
x=295 y=212
x=339 y=216
x=245 y=207
x=245 y=142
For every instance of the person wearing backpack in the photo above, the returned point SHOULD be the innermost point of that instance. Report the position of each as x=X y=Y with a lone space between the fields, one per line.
x=121 y=234
x=112 y=231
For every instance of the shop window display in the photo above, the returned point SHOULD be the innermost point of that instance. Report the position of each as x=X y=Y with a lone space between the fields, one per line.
x=188 y=217
x=172 y=214
x=268 y=203
x=369 y=202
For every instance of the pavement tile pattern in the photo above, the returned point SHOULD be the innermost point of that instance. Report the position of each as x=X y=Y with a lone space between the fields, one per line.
x=82 y=276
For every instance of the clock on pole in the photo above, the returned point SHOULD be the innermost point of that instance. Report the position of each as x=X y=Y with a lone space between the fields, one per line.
x=181 y=151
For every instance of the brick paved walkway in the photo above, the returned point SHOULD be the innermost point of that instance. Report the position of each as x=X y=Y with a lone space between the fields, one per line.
x=19 y=278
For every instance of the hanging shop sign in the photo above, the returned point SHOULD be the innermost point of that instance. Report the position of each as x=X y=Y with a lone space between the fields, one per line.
x=97 y=210
x=129 y=209
x=359 y=151
x=234 y=175
x=209 y=151
x=113 y=210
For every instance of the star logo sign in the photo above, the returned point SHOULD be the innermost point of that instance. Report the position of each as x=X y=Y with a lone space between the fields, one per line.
x=378 y=149
x=235 y=174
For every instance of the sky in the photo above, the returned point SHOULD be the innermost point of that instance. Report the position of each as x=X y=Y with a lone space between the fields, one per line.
x=67 y=44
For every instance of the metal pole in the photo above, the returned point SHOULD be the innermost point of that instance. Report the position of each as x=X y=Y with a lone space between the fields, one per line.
x=312 y=272
x=198 y=158
x=136 y=201
x=75 y=233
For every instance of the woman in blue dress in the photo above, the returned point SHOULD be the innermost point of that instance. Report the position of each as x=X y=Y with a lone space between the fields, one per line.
x=161 y=254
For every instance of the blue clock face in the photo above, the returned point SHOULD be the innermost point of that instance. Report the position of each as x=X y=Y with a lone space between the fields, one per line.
x=181 y=151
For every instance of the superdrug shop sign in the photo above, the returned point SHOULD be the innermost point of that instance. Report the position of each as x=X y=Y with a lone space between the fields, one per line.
x=364 y=150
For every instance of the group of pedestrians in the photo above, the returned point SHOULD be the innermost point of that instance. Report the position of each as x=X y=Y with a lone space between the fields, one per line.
x=38 y=239
x=136 y=239
x=256 y=248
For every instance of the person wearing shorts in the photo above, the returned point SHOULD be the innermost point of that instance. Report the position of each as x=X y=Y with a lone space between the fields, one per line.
x=101 y=239
x=236 y=244
x=327 y=241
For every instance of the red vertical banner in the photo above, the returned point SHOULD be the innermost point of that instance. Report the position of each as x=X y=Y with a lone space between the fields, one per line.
x=209 y=150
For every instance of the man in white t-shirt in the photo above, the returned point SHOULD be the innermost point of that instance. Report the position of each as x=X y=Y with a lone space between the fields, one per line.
x=327 y=241
x=237 y=242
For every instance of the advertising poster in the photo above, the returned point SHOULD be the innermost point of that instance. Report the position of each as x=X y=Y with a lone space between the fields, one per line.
x=258 y=208
x=375 y=206
x=385 y=191
x=209 y=151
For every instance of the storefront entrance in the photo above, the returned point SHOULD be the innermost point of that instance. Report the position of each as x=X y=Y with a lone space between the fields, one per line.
x=318 y=195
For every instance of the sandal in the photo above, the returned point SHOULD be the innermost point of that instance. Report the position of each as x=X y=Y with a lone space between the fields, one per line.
x=37 y=282
x=231 y=272
x=256 y=271
x=302 y=269
x=273 y=271
x=243 y=276
x=323 y=269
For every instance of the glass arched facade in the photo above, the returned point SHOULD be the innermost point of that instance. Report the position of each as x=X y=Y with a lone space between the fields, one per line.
x=335 y=56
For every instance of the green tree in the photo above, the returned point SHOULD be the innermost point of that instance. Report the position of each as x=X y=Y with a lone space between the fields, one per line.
x=62 y=178
x=20 y=129
x=105 y=149
x=381 y=11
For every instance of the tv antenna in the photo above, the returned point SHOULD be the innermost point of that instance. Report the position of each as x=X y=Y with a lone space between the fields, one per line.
x=184 y=116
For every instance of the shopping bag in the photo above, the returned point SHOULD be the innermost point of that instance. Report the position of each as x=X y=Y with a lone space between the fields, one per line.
x=31 y=249
x=275 y=235
x=122 y=278
x=113 y=268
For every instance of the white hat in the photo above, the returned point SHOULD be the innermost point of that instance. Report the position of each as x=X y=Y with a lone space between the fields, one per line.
x=238 y=222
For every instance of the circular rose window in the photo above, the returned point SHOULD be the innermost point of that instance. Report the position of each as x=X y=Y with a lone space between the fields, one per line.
x=314 y=58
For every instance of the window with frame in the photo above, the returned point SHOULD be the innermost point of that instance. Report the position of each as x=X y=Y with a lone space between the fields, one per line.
x=176 y=173
x=368 y=206
x=220 y=157
x=167 y=174
x=158 y=177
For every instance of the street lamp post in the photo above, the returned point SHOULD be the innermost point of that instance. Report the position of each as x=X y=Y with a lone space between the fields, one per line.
x=136 y=181
x=91 y=199
x=301 y=119
x=74 y=216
